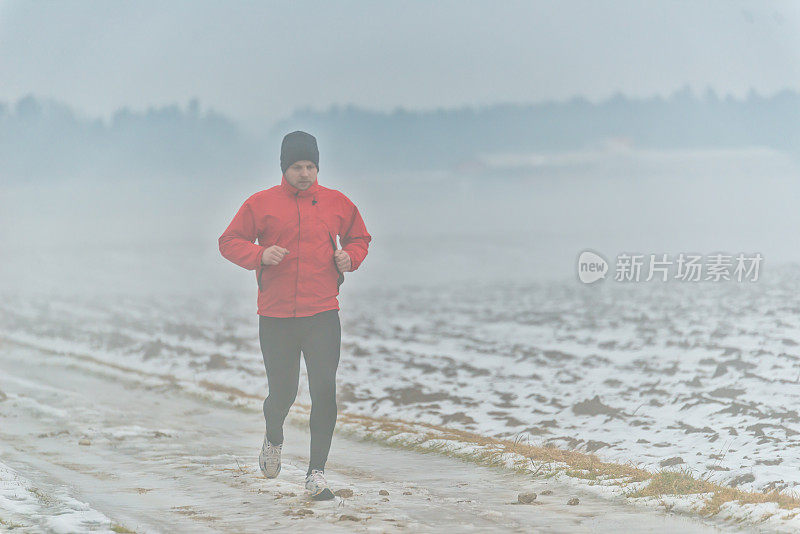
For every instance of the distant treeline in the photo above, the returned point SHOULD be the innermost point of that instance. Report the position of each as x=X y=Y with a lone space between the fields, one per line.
x=42 y=139
x=447 y=137
x=45 y=140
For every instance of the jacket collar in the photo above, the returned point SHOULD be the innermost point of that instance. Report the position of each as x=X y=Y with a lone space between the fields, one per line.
x=292 y=190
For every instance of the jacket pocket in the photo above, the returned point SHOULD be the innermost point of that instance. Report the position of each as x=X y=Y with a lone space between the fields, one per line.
x=340 y=281
x=261 y=267
x=259 y=270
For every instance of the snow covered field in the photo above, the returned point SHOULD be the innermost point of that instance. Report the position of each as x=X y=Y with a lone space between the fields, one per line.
x=699 y=376
x=704 y=377
x=97 y=448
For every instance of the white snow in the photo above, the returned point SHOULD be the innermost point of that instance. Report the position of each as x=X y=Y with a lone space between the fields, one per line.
x=22 y=504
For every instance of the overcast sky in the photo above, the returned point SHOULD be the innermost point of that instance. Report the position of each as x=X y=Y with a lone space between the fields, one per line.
x=257 y=61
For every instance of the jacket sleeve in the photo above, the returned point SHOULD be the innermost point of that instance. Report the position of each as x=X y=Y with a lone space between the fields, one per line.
x=355 y=240
x=237 y=242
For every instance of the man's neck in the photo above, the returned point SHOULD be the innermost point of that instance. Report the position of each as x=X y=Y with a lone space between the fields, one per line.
x=294 y=191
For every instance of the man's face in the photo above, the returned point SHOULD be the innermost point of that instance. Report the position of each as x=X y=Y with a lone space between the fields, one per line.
x=301 y=174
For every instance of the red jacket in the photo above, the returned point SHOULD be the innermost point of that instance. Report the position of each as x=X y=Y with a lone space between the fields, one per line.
x=306 y=223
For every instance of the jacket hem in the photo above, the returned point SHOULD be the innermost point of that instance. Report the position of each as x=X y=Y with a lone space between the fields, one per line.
x=306 y=313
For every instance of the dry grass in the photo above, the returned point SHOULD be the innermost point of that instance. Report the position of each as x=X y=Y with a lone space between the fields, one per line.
x=122 y=529
x=211 y=386
x=546 y=461
x=43 y=497
x=667 y=483
x=494 y=451
x=541 y=461
x=10 y=525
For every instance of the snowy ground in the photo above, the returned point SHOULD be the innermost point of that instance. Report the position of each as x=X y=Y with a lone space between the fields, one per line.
x=86 y=446
x=705 y=377
x=706 y=374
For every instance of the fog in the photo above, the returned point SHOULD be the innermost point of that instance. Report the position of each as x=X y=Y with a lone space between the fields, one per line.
x=503 y=221
x=570 y=127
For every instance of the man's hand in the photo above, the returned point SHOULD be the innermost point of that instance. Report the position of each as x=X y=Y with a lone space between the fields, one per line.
x=342 y=259
x=273 y=255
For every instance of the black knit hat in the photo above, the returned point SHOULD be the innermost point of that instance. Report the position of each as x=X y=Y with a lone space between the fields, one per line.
x=298 y=146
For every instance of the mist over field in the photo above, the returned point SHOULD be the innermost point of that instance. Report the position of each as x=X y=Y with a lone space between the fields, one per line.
x=158 y=187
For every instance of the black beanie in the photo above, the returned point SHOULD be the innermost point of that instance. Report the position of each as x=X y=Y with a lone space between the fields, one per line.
x=298 y=146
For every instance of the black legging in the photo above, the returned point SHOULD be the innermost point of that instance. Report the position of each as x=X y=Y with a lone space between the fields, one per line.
x=319 y=338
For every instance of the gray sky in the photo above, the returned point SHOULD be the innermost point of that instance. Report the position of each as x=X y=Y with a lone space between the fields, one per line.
x=258 y=61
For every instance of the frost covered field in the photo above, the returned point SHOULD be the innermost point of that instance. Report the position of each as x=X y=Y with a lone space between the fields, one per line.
x=703 y=377
x=98 y=433
x=706 y=377
x=96 y=447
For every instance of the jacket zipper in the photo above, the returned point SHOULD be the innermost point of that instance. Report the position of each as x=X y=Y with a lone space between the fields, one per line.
x=297 y=278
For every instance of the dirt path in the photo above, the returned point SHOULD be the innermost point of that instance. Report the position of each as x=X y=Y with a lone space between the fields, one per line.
x=156 y=459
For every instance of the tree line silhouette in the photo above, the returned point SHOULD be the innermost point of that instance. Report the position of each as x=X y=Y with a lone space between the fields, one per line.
x=44 y=140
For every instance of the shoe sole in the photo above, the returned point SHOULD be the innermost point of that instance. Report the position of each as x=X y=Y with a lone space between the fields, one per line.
x=266 y=474
x=324 y=495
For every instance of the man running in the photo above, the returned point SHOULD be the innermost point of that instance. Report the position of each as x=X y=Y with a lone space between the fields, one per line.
x=299 y=269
